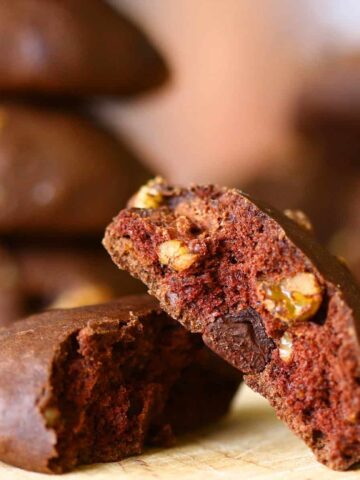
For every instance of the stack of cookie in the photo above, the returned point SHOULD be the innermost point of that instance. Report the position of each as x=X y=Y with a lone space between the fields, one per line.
x=62 y=175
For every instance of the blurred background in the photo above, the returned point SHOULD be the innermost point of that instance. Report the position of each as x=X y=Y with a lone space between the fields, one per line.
x=99 y=96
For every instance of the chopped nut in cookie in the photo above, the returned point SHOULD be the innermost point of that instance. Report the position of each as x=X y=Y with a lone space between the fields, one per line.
x=292 y=299
x=148 y=195
x=300 y=218
x=176 y=255
x=285 y=348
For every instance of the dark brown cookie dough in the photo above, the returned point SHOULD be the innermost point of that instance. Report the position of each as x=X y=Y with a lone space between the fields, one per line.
x=59 y=172
x=39 y=276
x=264 y=295
x=96 y=384
x=73 y=47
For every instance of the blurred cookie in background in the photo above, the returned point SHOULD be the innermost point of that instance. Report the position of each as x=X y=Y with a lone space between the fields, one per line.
x=10 y=294
x=306 y=181
x=346 y=241
x=329 y=118
x=345 y=244
x=329 y=108
x=74 y=47
x=321 y=176
x=290 y=181
x=60 y=172
x=39 y=276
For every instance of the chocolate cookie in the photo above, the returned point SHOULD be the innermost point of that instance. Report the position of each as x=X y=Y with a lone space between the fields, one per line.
x=264 y=295
x=329 y=107
x=73 y=47
x=319 y=171
x=47 y=275
x=59 y=172
x=328 y=118
x=11 y=298
x=345 y=242
x=96 y=384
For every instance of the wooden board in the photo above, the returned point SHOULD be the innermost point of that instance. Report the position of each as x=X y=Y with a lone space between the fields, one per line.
x=249 y=444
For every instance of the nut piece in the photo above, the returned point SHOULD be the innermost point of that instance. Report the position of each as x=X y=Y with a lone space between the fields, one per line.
x=177 y=255
x=149 y=195
x=292 y=299
x=87 y=294
x=299 y=217
x=285 y=348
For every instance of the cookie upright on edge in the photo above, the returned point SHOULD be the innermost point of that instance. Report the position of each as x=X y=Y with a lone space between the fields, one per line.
x=95 y=384
x=73 y=47
x=264 y=295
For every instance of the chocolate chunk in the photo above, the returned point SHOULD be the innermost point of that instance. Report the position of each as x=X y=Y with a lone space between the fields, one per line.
x=251 y=347
x=97 y=384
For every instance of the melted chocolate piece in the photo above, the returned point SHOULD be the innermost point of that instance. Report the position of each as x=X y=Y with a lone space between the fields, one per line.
x=251 y=347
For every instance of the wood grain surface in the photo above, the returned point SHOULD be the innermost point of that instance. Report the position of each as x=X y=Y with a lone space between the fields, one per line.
x=249 y=444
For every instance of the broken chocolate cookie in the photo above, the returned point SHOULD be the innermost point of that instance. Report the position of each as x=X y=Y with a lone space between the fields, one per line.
x=264 y=295
x=96 y=384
